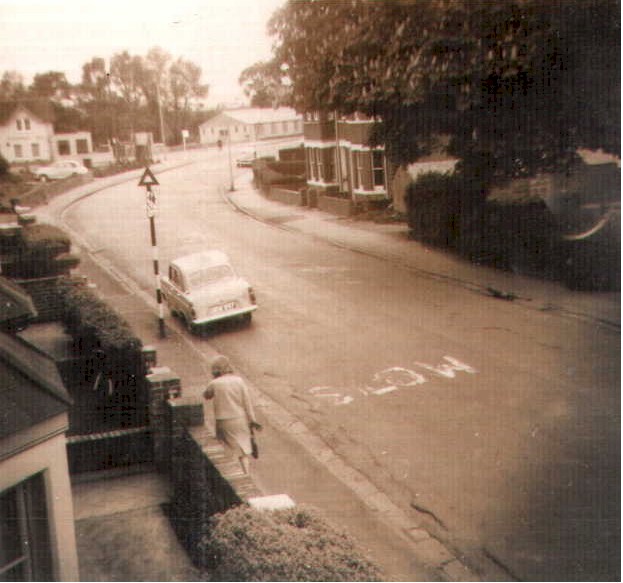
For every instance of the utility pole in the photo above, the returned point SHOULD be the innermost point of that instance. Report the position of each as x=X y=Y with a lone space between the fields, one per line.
x=162 y=137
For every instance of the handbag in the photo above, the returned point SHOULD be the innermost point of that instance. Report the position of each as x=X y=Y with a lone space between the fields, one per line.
x=255 y=452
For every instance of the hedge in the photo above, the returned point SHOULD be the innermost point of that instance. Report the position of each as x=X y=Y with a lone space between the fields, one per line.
x=297 y=544
x=95 y=323
x=38 y=250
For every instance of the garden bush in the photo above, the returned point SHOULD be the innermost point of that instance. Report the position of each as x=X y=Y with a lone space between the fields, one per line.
x=297 y=544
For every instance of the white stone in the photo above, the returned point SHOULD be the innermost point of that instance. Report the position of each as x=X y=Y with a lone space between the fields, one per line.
x=274 y=502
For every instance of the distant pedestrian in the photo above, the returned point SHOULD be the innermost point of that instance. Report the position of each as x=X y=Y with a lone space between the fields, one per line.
x=233 y=410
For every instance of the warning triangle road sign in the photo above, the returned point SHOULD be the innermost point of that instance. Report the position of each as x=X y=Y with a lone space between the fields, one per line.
x=148 y=178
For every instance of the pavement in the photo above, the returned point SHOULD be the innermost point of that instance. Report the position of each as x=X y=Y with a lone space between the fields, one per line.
x=122 y=530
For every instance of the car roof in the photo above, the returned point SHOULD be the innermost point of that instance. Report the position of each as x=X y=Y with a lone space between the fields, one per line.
x=194 y=261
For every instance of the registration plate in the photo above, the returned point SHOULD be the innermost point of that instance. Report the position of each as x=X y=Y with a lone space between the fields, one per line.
x=224 y=307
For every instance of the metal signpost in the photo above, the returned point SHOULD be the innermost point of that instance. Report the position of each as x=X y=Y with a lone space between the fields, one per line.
x=148 y=180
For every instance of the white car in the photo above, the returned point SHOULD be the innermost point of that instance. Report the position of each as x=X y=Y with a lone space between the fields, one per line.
x=59 y=170
x=203 y=287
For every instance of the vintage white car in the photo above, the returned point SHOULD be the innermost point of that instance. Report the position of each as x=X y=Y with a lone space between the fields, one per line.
x=59 y=170
x=203 y=287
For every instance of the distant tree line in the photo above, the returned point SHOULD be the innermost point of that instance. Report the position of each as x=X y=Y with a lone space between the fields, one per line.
x=114 y=99
x=514 y=87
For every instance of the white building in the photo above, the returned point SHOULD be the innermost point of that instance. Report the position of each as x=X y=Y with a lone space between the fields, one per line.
x=27 y=134
x=251 y=124
x=26 y=131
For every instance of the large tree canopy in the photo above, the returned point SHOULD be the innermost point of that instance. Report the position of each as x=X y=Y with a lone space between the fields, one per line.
x=516 y=85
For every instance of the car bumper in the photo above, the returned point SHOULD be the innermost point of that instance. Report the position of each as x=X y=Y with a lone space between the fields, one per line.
x=224 y=315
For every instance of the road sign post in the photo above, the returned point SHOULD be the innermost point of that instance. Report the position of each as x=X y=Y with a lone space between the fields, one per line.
x=148 y=180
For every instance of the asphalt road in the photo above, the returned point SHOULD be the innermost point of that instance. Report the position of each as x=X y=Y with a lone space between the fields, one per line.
x=499 y=423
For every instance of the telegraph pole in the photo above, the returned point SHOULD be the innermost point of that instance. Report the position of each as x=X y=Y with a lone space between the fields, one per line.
x=148 y=180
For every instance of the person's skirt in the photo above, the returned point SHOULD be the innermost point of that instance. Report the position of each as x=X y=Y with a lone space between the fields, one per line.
x=235 y=434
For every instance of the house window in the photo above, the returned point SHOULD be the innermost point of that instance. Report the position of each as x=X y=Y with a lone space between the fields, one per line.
x=17 y=150
x=19 y=124
x=63 y=147
x=358 y=163
x=319 y=164
x=378 y=169
x=26 y=123
x=273 y=127
x=330 y=175
x=82 y=146
x=35 y=150
x=25 y=551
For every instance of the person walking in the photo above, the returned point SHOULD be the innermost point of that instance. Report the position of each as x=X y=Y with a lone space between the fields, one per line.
x=233 y=410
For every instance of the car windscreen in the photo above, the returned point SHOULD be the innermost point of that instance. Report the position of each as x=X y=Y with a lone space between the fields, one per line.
x=209 y=275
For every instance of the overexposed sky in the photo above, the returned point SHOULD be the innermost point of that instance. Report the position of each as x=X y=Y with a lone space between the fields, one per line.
x=223 y=37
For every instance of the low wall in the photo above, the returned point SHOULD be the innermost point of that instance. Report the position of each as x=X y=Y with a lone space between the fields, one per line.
x=342 y=207
x=204 y=479
x=286 y=196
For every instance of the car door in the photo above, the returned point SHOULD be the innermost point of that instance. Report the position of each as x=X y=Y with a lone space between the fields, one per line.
x=173 y=288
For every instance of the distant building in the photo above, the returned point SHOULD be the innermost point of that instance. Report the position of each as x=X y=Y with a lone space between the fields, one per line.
x=37 y=538
x=251 y=124
x=26 y=130
x=339 y=158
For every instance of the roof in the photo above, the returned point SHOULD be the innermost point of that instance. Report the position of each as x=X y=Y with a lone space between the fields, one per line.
x=40 y=108
x=195 y=261
x=15 y=303
x=255 y=115
x=31 y=390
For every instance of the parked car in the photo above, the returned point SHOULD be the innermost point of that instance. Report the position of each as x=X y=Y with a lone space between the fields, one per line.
x=203 y=287
x=59 y=170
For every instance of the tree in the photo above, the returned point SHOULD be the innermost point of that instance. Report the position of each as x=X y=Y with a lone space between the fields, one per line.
x=96 y=99
x=184 y=85
x=264 y=83
x=518 y=86
x=12 y=86
x=52 y=85
x=126 y=72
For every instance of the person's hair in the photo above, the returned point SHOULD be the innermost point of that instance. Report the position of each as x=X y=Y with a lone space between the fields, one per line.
x=221 y=366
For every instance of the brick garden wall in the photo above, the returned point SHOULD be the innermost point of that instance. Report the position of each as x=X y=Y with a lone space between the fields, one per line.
x=204 y=479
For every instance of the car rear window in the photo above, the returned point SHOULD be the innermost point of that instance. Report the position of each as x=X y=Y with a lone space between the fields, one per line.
x=209 y=275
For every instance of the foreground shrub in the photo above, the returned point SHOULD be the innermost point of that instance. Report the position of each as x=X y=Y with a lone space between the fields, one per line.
x=297 y=544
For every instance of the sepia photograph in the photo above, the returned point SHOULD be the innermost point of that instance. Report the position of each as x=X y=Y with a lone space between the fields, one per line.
x=310 y=290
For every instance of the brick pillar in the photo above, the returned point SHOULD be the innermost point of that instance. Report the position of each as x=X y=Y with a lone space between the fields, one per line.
x=162 y=384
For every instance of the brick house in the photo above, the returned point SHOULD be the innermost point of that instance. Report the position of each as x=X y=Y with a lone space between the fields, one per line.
x=339 y=158
x=251 y=124
x=37 y=538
